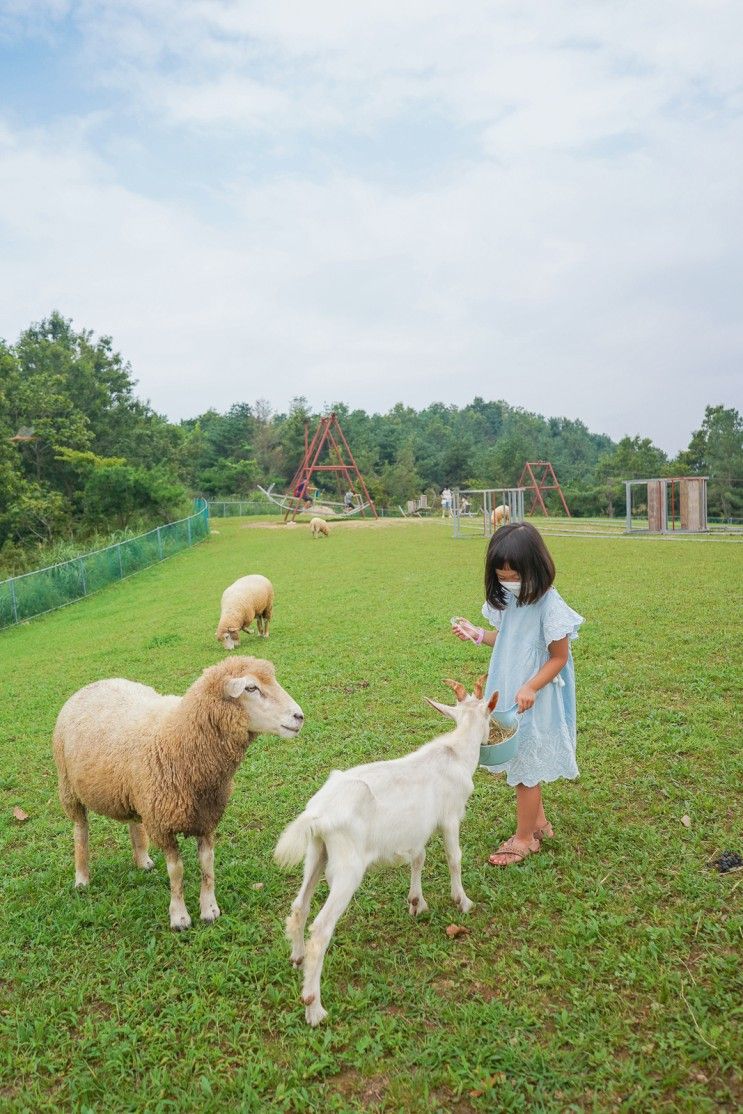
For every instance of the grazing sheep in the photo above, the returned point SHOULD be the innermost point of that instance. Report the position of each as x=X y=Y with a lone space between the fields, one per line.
x=319 y=526
x=164 y=764
x=501 y=515
x=383 y=811
x=249 y=598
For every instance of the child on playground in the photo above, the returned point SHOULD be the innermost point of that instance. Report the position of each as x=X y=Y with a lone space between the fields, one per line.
x=531 y=666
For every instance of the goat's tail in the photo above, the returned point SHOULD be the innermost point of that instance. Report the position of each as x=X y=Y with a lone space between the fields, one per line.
x=293 y=841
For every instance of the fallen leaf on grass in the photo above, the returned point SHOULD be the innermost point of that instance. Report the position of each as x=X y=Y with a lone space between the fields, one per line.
x=455 y=930
x=488 y=1084
x=19 y=813
x=686 y=821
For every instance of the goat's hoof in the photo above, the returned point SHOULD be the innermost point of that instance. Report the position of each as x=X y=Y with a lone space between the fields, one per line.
x=210 y=915
x=180 y=923
x=315 y=1014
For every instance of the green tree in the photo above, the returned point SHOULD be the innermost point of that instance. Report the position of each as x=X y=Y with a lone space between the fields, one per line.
x=401 y=481
x=121 y=494
x=716 y=450
x=35 y=513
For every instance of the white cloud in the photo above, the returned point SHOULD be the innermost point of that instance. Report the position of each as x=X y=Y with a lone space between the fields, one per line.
x=575 y=257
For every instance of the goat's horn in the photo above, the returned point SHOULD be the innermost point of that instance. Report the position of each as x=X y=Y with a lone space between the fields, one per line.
x=479 y=688
x=459 y=689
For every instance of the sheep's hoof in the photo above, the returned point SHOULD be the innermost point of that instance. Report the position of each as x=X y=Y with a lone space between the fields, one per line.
x=464 y=903
x=315 y=1014
x=145 y=864
x=180 y=922
x=81 y=881
x=297 y=960
x=417 y=905
x=210 y=915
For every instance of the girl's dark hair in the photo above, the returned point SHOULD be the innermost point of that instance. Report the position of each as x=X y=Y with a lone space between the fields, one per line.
x=519 y=546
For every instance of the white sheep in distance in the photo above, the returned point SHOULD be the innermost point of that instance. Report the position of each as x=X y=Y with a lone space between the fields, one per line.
x=164 y=764
x=501 y=515
x=383 y=811
x=249 y=598
x=319 y=526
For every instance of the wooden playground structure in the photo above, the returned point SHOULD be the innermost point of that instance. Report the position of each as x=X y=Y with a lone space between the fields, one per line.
x=666 y=500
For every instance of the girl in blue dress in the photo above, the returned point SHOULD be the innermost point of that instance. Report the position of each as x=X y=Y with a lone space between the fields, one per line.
x=531 y=666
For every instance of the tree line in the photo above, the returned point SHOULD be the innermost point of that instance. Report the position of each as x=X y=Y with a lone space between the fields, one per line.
x=80 y=452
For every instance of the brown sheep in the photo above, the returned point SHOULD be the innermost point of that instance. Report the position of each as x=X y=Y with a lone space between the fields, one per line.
x=164 y=764
x=501 y=515
x=249 y=598
x=319 y=526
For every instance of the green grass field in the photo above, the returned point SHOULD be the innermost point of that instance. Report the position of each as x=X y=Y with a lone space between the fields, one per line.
x=603 y=974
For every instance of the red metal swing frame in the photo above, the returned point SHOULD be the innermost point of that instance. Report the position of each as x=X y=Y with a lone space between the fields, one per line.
x=329 y=433
x=538 y=485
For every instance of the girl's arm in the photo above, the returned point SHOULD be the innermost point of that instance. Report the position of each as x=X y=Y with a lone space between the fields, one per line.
x=469 y=633
x=527 y=694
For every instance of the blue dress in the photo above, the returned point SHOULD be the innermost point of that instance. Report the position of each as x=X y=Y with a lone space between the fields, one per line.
x=547 y=731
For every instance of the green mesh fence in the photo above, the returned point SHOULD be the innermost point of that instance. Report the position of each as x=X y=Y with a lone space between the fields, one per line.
x=240 y=508
x=34 y=593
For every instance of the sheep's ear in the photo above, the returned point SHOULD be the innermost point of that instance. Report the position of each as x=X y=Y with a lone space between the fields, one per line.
x=445 y=709
x=493 y=701
x=235 y=686
x=479 y=688
x=459 y=689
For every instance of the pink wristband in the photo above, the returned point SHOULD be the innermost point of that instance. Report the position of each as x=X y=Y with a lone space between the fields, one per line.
x=480 y=636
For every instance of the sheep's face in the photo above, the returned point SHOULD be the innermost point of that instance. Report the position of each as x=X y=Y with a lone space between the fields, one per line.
x=230 y=639
x=269 y=708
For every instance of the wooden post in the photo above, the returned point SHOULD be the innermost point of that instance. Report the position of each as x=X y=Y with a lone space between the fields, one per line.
x=656 y=506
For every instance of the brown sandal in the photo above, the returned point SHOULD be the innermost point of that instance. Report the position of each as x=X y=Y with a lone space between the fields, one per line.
x=518 y=853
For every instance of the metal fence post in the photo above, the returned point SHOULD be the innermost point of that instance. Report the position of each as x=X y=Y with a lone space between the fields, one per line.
x=121 y=566
x=159 y=543
x=13 y=600
x=82 y=576
x=628 y=490
x=188 y=520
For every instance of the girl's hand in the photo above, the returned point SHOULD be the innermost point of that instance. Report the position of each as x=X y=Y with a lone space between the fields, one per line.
x=464 y=630
x=525 y=697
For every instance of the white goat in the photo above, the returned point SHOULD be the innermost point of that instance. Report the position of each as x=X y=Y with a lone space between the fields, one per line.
x=383 y=811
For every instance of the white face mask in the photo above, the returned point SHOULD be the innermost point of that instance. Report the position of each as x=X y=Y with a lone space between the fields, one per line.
x=510 y=585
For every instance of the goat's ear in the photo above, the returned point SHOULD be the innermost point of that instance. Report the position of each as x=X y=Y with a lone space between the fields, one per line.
x=479 y=688
x=235 y=686
x=445 y=709
x=493 y=701
x=459 y=689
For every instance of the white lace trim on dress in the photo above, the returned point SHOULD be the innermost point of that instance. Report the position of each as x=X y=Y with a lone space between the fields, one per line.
x=492 y=615
x=560 y=620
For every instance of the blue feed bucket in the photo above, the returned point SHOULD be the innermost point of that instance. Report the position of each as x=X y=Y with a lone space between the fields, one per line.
x=495 y=754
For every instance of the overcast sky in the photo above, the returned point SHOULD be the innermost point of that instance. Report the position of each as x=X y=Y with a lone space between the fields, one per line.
x=387 y=200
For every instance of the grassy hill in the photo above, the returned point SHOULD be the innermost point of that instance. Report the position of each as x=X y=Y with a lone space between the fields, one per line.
x=599 y=975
